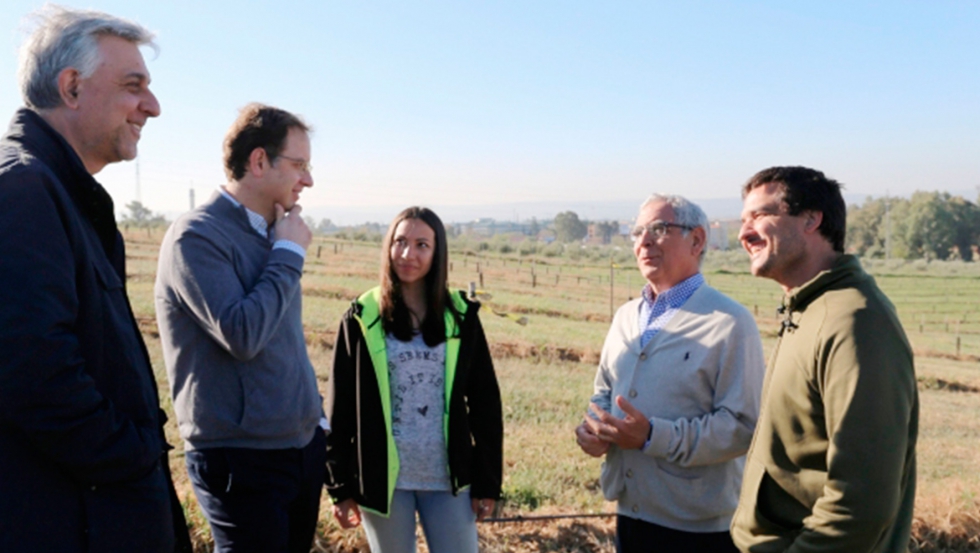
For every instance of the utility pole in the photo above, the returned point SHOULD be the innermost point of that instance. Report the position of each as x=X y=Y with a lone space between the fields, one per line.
x=139 y=195
x=612 y=279
x=192 y=196
x=888 y=226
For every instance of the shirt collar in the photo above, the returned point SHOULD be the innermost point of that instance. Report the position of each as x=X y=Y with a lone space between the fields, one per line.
x=676 y=295
x=257 y=221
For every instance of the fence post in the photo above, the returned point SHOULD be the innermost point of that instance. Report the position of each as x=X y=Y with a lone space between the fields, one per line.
x=534 y=280
x=612 y=282
x=481 y=280
x=318 y=248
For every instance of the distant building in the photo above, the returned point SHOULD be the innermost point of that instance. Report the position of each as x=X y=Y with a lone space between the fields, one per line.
x=718 y=236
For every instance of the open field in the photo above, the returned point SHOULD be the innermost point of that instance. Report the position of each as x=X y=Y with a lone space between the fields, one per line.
x=546 y=367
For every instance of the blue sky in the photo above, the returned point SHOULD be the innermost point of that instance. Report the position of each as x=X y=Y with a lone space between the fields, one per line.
x=541 y=105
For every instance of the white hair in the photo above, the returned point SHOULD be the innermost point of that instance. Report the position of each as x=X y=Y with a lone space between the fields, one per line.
x=66 y=37
x=686 y=213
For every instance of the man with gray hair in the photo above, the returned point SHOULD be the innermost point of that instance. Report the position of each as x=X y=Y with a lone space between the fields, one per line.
x=676 y=394
x=83 y=456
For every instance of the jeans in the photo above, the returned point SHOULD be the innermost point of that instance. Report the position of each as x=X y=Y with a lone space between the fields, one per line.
x=448 y=522
x=258 y=500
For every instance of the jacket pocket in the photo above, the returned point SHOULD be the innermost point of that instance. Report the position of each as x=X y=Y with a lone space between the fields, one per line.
x=753 y=525
x=130 y=516
x=209 y=469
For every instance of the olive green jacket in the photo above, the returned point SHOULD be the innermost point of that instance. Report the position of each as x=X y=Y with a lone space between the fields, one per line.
x=832 y=462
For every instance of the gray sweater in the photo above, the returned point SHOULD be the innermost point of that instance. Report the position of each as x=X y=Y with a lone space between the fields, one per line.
x=229 y=313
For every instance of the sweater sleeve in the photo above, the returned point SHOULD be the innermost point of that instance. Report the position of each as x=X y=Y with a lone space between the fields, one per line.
x=602 y=385
x=241 y=320
x=724 y=432
x=867 y=384
x=48 y=396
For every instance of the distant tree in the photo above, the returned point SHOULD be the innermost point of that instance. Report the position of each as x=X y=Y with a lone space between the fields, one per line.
x=534 y=228
x=606 y=230
x=966 y=215
x=865 y=228
x=326 y=226
x=141 y=216
x=569 y=228
x=931 y=227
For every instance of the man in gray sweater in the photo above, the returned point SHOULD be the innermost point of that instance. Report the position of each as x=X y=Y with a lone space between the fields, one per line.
x=228 y=304
x=676 y=395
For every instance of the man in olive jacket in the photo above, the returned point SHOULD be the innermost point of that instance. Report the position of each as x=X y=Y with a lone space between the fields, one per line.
x=832 y=463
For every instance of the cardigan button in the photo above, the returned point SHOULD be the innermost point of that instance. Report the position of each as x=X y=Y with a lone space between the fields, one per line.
x=633 y=393
x=636 y=508
x=643 y=356
x=629 y=473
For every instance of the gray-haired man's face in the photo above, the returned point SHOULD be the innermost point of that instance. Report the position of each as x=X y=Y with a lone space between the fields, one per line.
x=112 y=105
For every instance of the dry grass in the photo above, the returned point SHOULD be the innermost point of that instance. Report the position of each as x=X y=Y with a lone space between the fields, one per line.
x=546 y=369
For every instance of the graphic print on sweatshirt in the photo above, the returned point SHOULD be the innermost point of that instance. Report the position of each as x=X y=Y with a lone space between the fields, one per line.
x=417 y=375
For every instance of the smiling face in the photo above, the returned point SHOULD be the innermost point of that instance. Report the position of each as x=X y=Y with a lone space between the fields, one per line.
x=412 y=250
x=113 y=104
x=773 y=238
x=670 y=259
x=288 y=174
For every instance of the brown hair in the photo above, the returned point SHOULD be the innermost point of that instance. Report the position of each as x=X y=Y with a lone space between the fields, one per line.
x=394 y=314
x=257 y=126
x=806 y=189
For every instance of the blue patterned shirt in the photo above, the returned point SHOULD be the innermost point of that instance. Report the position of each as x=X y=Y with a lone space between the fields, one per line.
x=656 y=310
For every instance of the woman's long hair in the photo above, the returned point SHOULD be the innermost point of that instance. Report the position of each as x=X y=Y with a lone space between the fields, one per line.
x=394 y=313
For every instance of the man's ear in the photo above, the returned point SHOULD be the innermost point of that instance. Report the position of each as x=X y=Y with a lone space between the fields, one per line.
x=700 y=240
x=258 y=162
x=69 y=81
x=812 y=220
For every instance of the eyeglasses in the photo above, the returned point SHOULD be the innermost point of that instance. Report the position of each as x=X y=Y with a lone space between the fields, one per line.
x=656 y=229
x=300 y=163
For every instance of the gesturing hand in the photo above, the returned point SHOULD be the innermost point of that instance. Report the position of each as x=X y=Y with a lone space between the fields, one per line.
x=589 y=442
x=629 y=432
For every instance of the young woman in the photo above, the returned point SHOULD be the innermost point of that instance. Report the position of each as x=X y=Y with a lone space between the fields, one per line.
x=414 y=403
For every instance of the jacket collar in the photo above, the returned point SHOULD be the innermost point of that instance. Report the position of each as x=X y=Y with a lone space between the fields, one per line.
x=845 y=272
x=41 y=141
x=367 y=309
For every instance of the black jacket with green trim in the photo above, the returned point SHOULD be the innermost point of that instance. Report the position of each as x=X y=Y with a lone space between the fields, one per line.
x=361 y=461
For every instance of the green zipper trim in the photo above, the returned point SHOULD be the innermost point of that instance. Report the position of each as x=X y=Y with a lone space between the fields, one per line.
x=373 y=332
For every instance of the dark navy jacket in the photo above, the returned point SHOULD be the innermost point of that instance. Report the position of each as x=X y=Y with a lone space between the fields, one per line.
x=83 y=464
